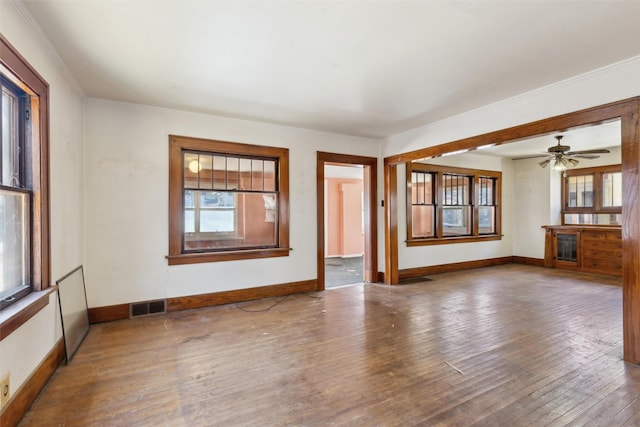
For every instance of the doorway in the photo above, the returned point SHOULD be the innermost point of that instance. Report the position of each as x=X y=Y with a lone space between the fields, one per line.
x=347 y=240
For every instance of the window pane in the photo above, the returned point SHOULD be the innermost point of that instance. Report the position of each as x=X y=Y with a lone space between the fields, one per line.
x=189 y=221
x=587 y=192
x=189 y=199
x=269 y=175
x=233 y=173
x=189 y=215
x=14 y=241
x=253 y=223
x=421 y=188
x=245 y=174
x=599 y=219
x=217 y=221
x=415 y=191
x=216 y=199
x=257 y=175
x=486 y=220
x=219 y=173
x=456 y=220
x=422 y=224
x=455 y=190
x=10 y=140
x=580 y=191
x=191 y=169
x=485 y=191
x=206 y=173
x=612 y=189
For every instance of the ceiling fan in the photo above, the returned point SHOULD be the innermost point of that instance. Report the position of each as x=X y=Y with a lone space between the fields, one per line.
x=564 y=157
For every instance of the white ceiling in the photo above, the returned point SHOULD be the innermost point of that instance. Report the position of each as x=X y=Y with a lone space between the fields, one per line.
x=367 y=68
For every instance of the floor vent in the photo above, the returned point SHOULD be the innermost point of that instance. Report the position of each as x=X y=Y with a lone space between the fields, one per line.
x=147 y=308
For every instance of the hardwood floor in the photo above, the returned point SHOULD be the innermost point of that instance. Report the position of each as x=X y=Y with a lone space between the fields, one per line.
x=510 y=345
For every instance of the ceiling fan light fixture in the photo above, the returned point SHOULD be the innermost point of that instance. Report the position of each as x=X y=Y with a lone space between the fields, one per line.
x=559 y=167
x=544 y=163
x=562 y=164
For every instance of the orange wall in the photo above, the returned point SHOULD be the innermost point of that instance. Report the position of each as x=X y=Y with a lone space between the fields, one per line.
x=344 y=217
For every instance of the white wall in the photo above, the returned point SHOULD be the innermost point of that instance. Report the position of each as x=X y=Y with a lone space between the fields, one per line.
x=532 y=206
x=613 y=83
x=23 y=350
x=127 y=202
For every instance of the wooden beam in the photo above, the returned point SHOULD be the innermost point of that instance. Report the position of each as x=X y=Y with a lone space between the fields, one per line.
x=631 y=235
x=391 y=276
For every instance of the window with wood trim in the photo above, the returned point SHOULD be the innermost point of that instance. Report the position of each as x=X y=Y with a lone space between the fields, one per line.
x=446 y=204
x=226 y=201
x=592 y=196
x=24 y=201
x=423 y=206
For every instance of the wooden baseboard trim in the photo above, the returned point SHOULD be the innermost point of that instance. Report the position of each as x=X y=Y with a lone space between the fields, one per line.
x=408 y=273
x=538 y=262
x=24 y=397
x=108 y=313
x=227 y=297
x=380 y=278
x=121 y=311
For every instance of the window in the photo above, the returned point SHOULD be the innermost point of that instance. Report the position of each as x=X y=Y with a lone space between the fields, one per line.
x=580 y=191
x=456 y=205
x=446 y=205
x=24 y=222
x=227 y=201
x=487 y=204
x=592 y=196
x=423 y=204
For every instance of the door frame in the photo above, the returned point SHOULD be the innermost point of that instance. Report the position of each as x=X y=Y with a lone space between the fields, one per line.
x=370 y=173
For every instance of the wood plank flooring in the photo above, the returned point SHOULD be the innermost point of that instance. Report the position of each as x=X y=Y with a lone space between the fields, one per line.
x=510 y=345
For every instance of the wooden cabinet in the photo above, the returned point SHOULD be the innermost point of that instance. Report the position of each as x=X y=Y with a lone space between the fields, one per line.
x=586 y=248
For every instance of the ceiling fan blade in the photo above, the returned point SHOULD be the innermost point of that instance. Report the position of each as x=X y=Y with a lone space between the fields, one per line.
x=544 y=163
x=597 y=151
x=530 y=157
x=582 y=156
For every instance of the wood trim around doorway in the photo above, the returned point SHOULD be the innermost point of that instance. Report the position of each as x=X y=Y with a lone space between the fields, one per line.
x=370 y=169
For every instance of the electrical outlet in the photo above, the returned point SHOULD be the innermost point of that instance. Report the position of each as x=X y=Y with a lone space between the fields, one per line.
x=5 y=391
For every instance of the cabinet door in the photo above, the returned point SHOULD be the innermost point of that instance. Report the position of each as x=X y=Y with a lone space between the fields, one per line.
x=566 y=249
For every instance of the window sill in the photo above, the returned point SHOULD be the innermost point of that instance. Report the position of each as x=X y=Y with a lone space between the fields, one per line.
x=18 y=313
x=194 y=258
x=449 y=240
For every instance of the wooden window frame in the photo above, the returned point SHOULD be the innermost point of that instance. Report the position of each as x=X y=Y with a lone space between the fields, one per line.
x=22 y=74
x=179 y=144
x=438 y=173
x=597 y=208
x=432 y=199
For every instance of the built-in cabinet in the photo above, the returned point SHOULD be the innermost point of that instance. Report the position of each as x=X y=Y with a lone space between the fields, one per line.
x=587 y=248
